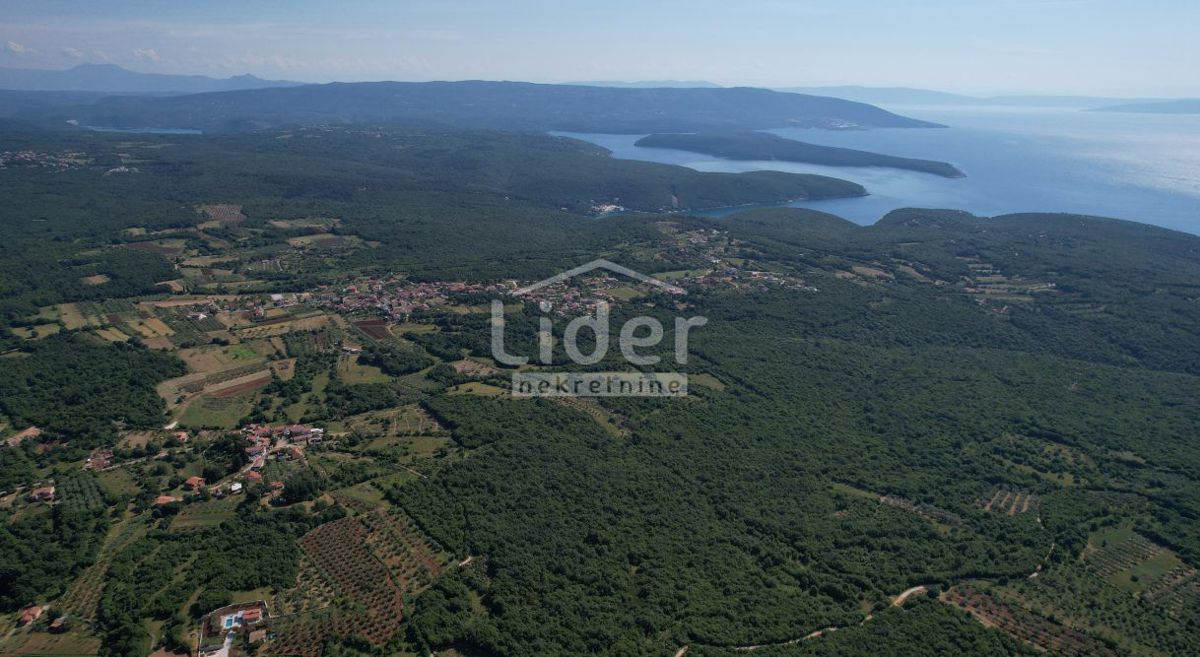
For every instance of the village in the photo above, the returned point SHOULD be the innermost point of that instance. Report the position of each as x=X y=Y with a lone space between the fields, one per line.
x=265 y=444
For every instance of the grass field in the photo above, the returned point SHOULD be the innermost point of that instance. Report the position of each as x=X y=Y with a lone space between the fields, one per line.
x=43 y=644
x=219 y=412
x=206 y=514
x=112 y=335
x=118 y=482
x=39 y=331
x=73 y=318
x=477 y=388
x=406 y=420
x=706 y=380
x=1145 y=573
x=352 y=372
x=211 y=358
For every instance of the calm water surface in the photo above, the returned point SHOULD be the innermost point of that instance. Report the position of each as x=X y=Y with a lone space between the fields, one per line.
x=1132 y=166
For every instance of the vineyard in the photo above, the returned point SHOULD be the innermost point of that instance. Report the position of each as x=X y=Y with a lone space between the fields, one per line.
x=927 y=510
x=1009 y=501
x=186 y=329
x=370 y=561
x=1027 y=626
x=376 y=329
x=338 y=550
x=83 y=597
x=81 y=600
x=312 y=592
x=1175 y=590
x=1123 y=556
x=408 y=554
x=81 y=492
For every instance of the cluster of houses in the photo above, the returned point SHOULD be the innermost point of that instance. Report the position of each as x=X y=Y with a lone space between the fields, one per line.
x=43 y=159
x=396 y=297
x=280 y=441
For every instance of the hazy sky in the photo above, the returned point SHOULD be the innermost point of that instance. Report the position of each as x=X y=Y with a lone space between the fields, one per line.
x=1149 y=47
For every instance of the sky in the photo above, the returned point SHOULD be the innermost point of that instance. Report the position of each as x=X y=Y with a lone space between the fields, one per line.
x=1095 y=47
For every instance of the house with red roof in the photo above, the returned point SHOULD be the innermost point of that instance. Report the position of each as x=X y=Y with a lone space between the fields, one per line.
x=30 y=614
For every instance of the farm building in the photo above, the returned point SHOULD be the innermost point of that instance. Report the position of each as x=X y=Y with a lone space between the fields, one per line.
x=165 y=499
x=30 y=614
x=195 y=482
x=43 y=494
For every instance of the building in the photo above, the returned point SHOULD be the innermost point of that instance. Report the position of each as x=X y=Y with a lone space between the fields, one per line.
x=194 y=482
x=30 y=614
x=235 y=488
x=43 y=494
x=253 y=477
x=59 y=625
x=165 y=499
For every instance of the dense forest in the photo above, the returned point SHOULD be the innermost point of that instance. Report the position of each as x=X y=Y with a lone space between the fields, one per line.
x=997 y=411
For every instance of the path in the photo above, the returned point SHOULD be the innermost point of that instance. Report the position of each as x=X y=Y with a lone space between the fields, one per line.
x=899 y=601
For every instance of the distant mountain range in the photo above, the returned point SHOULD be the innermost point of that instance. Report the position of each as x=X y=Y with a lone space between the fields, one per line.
x=650 y=84
x=488 y=105
x=109 y=78
x=1186 y=106
x=911 y=96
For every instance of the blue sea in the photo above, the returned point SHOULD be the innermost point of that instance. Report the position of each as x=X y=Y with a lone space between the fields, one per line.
x=1141 y=167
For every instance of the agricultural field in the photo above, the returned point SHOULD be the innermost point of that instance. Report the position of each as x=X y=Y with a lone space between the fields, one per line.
x=37 y=332
x=410 y=420
x=75 y=643
x=118 y=482
x=1041 y=632
x=351 y=372
x=1137 y=565
x=212 y=358
x=216 y=412
x=1009 y=502
x=207 y=514
x=477 y=388
x=340 y=551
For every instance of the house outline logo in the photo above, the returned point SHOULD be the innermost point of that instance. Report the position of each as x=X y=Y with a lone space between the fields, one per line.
x=600 y=263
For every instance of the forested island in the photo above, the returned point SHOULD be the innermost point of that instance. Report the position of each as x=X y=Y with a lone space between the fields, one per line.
x=1183 y=106
x=753 y=145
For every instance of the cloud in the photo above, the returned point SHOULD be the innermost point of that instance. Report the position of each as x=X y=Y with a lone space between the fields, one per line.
x=18 y=49
x=73 y=53
x=146 y=54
